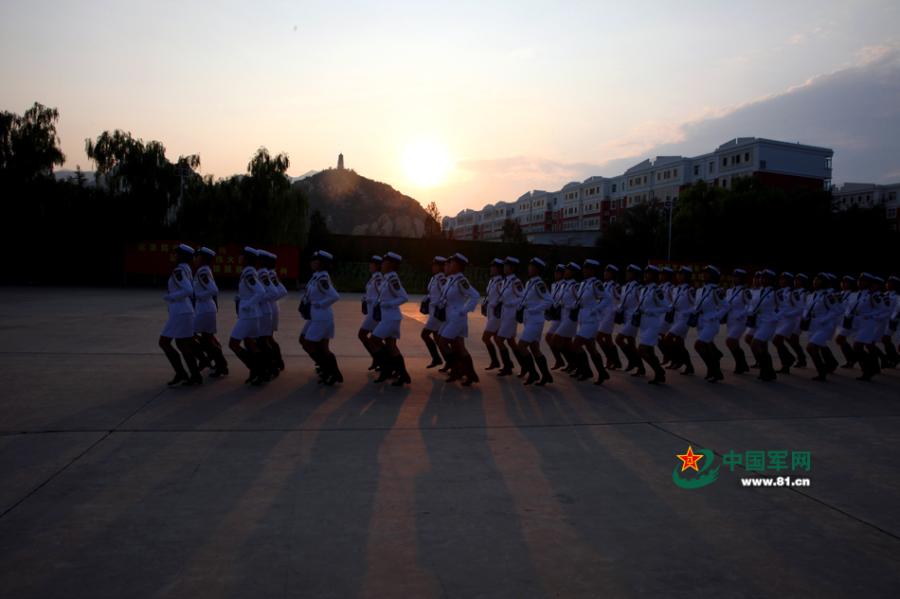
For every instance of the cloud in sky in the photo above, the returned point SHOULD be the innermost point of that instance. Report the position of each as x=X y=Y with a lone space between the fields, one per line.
x=854 y=110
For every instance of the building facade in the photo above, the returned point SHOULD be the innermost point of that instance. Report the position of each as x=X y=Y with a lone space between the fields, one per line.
x=579 y=212
x=869 y=195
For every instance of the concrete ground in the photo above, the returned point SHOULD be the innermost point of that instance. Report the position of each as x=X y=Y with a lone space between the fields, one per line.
x=112 y=485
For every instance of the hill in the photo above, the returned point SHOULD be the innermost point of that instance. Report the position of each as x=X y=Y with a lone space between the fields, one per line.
x=355 y=205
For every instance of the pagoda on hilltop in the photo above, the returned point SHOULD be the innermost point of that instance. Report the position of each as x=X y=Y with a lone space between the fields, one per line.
x=340 y=162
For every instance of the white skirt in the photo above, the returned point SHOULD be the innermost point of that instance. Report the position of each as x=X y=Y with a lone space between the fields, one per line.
x=179 y=326
x=316 y=330
x=245 y=328
x=205 y=322
x=455 y=328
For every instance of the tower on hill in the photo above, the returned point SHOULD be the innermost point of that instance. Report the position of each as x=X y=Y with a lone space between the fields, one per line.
x=340 y=162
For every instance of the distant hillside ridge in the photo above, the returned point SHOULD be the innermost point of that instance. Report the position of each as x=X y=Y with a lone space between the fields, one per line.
x=355 y=205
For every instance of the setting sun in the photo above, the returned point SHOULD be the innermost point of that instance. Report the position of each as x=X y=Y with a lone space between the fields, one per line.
x=426 y=163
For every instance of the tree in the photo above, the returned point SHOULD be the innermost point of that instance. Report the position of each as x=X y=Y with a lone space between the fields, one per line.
x=512 y=233
x=432 y=220
x=29 y=145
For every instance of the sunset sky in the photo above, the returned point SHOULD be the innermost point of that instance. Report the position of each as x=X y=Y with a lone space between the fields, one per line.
x=462 y=103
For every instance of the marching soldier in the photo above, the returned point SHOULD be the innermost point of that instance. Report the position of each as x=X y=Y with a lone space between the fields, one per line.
x=847 y=298
x=790 y=308
x=391 y=296
x=246 y=329
x=628 y=301
x=490 y=308
x=368 y=304
x=532 y=308
x=709 y=309
x=799 y=296
x=819 y=318
x=315 y=307
x=433 y=325
x=265 y=341
x=180 y=324
x=510 y=296
x=568 y=323
x=763 y=317
x=589 y=297
x=206 y=294
x=554 y=313
x=276 y=292
x=606 y=313
x=666 y=274
x=682 y=306
x=458 y=299
x=736 y=301
x=648 y=318
x=868 y=310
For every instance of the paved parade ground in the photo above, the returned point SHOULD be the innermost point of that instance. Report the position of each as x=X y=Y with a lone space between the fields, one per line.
x=112 y=485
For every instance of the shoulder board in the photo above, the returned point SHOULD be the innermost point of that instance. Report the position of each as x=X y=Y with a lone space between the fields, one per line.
x=395 y=282
x=464 y=283
x=324 y=283
x=179 y=274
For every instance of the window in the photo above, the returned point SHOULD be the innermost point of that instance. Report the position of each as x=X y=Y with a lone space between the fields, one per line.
x=892 y=213
x=725 y=161
x=762 y=164
x=828 y=163
x=614 y=188
x=712 y=167
x=746 y=156
x=724 y=182
x=696 y=170
x=674 y=172
x=737 y=159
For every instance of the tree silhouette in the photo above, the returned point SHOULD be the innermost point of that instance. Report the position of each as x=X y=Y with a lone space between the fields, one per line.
x=432 y=221
x=29 y=145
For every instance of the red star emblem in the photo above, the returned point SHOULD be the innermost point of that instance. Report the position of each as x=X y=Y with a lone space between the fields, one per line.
x=689 y=459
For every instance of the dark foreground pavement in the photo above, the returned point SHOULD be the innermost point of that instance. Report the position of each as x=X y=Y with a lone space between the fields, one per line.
x=112 y=485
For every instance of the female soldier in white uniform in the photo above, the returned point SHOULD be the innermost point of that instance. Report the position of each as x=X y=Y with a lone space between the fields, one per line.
x=180 y=324
x=206 y=294
x=589 y=296
x=274 y=294
x=315 y=307
x=821 y=312
x=568 y=327
x=763 y=317
x=433 y=325
x=246 y=329
x=682 y=307
x=533 y=307
x=554 y=314
x=628 y=301
x=391 y=296
x=790 y=309
x=607 y=315
x=709 y=309
x=373 y=285
x=868 y=309
x=490 y=308
x=510 y=296
x=737 y=299
x=648 y=318
x=847 y=297
x=457 y=300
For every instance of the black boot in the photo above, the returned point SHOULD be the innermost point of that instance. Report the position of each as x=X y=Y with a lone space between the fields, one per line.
x=686 y=360
x=786 y=357
x=492 y=352
x=433 y=350
x=507 y=361
x=850 y=357
x=819 y=364
x=523 y=360
x=195 y=377
x=470 y=375
x=334 y=373
x=766 y=368
x=602 y=374
x=174 y=359
x=831 y=363
x=740 y=361
x=400 y=368
x=868 y=365
x=799 y=354
x=541 y=362
x=583 y=370
x=659 y=373
x=385 y=365
x=558 y=361
x=715 y=360
x=528 y=368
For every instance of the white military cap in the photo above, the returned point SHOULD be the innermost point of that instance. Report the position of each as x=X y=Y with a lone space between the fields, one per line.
x=511 y=260
x=459 y=258
x=667 y=269
x=266 y=254
x=878 y=279
x=894 y=279
x=866 y=275
x=560 y=267
x=573 y=266
x=802 y=275
x=439 y=259
x=686 y=269
x=393 y=256
x=592 y=263
x=323 y=254
x=612 y=267
x=652 y=268
x=738 y=272
x=497 y=262
x=767 y=272
x=375 y=258
x=787 y=274
x=183 y=247
x=635 y=268
x=250 y=250
x=538 y=262
x=848 y=278
x=207 y=251
x=712 y=269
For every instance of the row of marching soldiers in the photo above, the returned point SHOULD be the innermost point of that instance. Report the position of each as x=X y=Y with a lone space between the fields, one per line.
x=592 y=315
